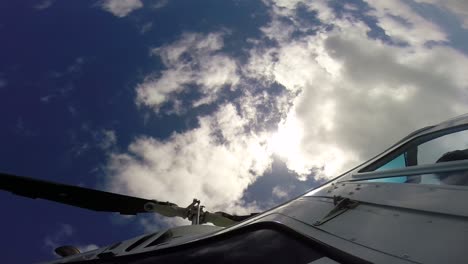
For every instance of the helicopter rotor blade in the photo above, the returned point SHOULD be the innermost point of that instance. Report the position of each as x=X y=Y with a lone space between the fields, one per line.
x=76 y=196
x=217 y=219
x=224 y=219
x=109 y=202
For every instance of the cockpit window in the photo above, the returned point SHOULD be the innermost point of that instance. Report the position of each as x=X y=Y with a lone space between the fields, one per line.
x=398 y=162
x=444 y=148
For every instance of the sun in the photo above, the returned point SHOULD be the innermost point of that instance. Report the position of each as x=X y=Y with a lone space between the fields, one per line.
x=285 y=142
x=289 y=145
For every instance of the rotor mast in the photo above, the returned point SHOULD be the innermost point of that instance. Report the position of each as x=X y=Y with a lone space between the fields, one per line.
x=194 y=212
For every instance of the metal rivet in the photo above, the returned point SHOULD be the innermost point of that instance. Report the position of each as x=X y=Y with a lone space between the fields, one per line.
x=357 y=189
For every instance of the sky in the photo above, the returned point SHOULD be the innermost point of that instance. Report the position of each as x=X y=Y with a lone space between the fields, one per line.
x=242 y=104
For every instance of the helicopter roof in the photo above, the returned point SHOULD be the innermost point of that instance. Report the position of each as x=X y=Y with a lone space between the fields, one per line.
x=450 y=123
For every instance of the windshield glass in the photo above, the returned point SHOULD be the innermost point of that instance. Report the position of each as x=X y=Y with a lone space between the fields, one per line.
x=448 y=147
x=433 y=151
x=445 y=148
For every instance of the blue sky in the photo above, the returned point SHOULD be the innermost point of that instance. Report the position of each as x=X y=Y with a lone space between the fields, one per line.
x=242 y=104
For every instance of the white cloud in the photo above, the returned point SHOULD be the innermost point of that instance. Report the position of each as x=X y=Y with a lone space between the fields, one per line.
x=157 y=222
x=46 y=98
x=23 y=128
x=44 y=4
x=457 y=7
x=214 y=163
x=62 y=236
x=80 y=148
x=106 y=139
x=159 y=4
x=288 y=8
x=195 y=59
x=121 y=8
x=72 y=110
x=146 y=27
x=346 y=97
x=401 y=23
x=76 y=66
x=281 y=192
x=357 y=95
x=54 y=240
x=395 y=17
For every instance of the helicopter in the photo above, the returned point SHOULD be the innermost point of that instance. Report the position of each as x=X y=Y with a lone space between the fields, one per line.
x=405 y=205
